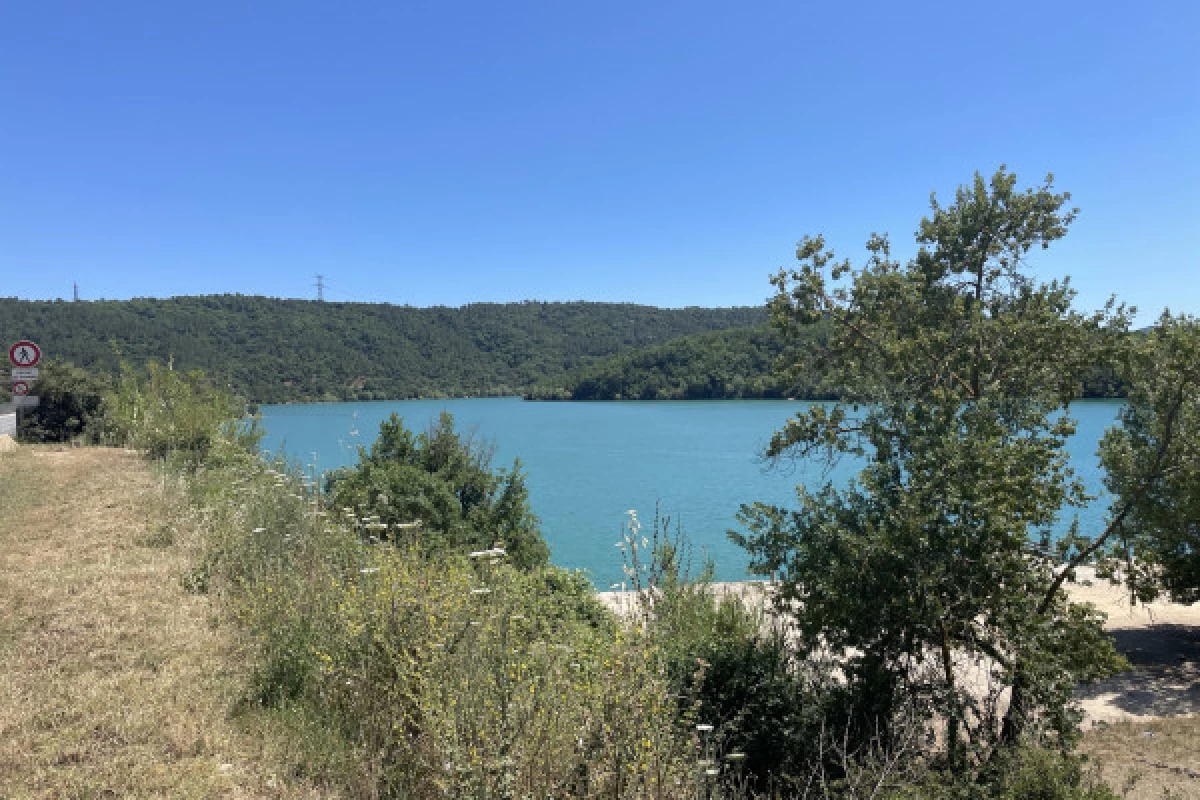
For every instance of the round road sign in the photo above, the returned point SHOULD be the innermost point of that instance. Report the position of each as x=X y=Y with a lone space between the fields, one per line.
x=24 y=354
x=20 y=388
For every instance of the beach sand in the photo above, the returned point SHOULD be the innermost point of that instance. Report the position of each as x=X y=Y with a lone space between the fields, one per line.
x=1160 y=639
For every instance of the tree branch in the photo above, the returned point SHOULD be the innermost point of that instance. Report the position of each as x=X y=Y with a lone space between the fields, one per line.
x=1155 y=472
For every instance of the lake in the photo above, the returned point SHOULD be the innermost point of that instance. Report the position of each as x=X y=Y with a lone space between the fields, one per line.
x=588 y=463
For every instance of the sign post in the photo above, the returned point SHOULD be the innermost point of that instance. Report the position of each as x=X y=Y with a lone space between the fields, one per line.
x=24 y=356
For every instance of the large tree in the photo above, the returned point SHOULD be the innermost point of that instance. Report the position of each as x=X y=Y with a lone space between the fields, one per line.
x=934 y=577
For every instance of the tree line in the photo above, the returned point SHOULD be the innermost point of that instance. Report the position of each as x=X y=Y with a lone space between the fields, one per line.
x=271 y=350
x=734 y=364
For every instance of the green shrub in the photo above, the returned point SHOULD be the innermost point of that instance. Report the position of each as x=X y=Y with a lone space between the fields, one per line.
x=70 y=405
x=444 y=481
x=182 y=415
x=439 y=674
x=1025 y=772
x=727 y=663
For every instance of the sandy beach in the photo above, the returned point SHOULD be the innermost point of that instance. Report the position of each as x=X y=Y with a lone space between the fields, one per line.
x=1160 y=639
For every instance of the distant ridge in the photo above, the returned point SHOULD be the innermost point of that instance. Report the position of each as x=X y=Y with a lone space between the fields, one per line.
x=283 y=350
x=733 y=364
x=737 y=363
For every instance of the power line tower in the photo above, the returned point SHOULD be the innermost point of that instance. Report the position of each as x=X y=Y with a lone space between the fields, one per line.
x=76 y=287
x=320 y=288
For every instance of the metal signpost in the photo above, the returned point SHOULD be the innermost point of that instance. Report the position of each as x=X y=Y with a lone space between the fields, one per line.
x=24 y=356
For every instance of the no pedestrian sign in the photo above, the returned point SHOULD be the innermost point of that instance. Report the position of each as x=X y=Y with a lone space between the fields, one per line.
x=24 y=354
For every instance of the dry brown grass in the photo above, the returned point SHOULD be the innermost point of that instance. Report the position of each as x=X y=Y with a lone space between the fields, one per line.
x=114 y=682
x=1160 y=756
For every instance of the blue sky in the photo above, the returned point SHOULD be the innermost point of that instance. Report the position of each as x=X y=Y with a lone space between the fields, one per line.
x=654 y=152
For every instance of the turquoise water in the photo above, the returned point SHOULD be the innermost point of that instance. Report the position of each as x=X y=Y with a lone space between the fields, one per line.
x=587 y=463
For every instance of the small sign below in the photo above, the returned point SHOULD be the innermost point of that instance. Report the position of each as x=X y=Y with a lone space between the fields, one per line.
x=20 y=388
x=24 y=354
x=25 y=401
x=24 y=373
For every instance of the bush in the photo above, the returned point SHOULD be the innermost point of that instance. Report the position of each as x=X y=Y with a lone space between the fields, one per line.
x=1024 y=772
x=70 y=405
x=437 y=674
x=727 y=662
x=444 y=481
x=183 y=415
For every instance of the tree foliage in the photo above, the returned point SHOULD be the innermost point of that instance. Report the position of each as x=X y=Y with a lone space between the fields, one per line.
x=70 y=404
x=1152 y=466
x=932 y=578
x=729 y=364
x=184 y=415
x=443 y=480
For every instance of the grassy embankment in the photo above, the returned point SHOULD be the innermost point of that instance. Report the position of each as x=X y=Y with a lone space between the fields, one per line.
x=356 y=667
x=114 y=681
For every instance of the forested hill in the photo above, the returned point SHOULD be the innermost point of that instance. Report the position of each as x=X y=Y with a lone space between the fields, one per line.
x=275 y=350
x=738 y=363
x=716 y=364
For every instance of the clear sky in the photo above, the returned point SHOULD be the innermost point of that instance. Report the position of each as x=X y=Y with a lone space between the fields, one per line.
x=669 y=153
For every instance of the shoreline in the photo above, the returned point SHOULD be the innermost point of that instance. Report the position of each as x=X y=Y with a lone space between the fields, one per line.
x=1161 y=640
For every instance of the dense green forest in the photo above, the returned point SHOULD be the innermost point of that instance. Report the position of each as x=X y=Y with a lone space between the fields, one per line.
x=729 y=364
x=739 y=363
x=273 y=350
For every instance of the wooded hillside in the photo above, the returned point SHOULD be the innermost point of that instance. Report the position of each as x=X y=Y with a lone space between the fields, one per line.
x=733 y=364
x=274 y=350
x=715 y=364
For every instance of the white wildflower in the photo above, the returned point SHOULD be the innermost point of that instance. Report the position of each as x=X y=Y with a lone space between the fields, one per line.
x=495 y=552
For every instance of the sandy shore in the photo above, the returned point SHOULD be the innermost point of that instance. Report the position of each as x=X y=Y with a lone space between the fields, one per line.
x=1161 y=641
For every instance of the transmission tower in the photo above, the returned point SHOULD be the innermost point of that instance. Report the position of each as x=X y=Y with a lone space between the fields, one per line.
x=76 y=287
x=320 y=288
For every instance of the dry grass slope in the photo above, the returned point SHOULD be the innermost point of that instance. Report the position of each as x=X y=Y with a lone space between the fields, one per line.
x=113 y=680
